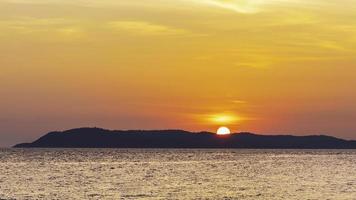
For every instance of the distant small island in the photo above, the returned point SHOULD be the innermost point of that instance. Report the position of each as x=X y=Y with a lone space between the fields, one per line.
x=101 y=138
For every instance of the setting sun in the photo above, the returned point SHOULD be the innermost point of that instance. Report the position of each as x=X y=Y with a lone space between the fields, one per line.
x=223 y=131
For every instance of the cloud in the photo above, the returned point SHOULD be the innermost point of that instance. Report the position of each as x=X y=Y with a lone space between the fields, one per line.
x=239 y=102
x=240 y=6
x=45 y=28
x=71 y=32
x=145 y=28
x=28 y=21
x=28 y=24
x=248 y=6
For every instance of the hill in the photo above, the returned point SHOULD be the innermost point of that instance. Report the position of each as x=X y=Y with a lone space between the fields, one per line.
x=101 y=138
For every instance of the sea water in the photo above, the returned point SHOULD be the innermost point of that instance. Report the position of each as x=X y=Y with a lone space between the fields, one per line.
x=177 y=174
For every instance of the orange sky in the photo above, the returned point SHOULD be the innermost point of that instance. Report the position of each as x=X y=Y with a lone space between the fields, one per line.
x=276 y=66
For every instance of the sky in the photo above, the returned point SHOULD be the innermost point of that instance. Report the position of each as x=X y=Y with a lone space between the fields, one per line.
x=263 y=66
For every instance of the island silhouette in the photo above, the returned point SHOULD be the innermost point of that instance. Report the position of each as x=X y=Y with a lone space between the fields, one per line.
x=101 y=138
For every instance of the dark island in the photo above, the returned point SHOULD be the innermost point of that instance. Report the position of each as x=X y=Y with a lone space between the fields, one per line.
x=101 y=138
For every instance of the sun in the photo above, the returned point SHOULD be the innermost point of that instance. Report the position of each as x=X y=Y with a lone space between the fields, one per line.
x=223 y=131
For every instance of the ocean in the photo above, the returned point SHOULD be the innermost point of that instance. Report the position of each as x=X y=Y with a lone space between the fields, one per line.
x=177 y=174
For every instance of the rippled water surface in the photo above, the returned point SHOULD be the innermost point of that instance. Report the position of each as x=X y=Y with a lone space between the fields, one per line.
x=177 y=174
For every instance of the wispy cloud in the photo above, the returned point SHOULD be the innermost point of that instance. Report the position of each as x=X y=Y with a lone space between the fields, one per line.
x=246 y=6
x=44 y=27
x=28 y=24
x=29 y=21
x=145 y=28
x=239 y=101
x=240 y=6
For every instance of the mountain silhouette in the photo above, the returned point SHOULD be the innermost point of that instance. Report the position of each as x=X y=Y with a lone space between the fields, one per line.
x=101 y=138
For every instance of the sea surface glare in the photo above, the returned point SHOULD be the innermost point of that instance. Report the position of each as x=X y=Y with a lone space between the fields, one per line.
x=177 y=174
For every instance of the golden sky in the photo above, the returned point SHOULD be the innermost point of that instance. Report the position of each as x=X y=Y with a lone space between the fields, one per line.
x=265 y=66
